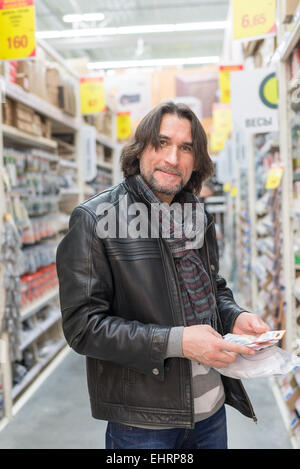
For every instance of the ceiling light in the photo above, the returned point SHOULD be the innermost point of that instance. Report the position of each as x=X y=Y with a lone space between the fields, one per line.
x=153 y=63
x=143 y=29
x=83 y=17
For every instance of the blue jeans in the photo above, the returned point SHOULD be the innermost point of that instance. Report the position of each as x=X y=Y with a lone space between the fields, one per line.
x=210 y=433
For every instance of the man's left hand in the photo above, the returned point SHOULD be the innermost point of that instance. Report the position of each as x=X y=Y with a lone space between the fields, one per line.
x=249 y=323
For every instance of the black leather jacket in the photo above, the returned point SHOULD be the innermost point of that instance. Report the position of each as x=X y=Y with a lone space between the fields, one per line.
x=119 y=298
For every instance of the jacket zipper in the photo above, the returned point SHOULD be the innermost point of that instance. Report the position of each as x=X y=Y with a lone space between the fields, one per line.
x=218 y=314
x=184 y=323
x=160 y=242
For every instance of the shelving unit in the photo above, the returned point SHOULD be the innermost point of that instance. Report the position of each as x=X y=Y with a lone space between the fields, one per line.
x=268 y=225
x=41 y=339
x=288 y=402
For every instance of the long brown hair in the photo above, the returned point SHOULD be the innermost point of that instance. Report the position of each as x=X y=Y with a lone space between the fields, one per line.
x=147 y=133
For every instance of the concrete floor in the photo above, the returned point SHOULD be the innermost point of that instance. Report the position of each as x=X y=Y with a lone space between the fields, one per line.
x=58 y=416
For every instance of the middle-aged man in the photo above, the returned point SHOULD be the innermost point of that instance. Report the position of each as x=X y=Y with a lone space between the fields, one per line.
x=146 y=305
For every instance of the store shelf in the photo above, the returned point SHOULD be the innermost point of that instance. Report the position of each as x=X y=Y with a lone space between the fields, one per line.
x=12 y=133
x=68 y=164
x=105 y=140
x=104 y=165
x=38 y=304
x=269 y=147
x=42 y=327
x=283 y=410
x=36 y=369
x=17 y=93
x=69 y=192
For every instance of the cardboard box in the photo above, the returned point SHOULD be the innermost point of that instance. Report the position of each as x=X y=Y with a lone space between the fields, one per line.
x=66 y=98
x=37 y=125
x=46 y=127
x=23 y=112
x=8 y=112
x=290 y=7
x=52 y=77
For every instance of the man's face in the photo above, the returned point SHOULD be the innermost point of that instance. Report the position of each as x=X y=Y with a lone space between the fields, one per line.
x=169 y=168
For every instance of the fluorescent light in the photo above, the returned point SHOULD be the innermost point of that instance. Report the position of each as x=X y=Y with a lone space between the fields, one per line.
x=153 y=63
x=83 y=17
x=143 y=29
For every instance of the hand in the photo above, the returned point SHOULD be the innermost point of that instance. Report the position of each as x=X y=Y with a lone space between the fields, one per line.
x=249 y=323
x=204 y=345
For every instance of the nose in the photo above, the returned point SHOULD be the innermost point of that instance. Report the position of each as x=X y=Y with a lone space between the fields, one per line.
x=171 y=156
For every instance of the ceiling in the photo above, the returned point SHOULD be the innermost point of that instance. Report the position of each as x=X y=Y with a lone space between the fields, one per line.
x=49 y=14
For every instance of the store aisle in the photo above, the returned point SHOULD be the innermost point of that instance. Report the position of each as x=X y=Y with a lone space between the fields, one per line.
x=58 y=416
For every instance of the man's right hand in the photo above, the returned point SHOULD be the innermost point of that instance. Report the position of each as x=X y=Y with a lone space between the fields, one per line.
x=205 y=345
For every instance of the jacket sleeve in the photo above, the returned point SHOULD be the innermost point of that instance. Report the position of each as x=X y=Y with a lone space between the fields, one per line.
x=228 y=309
x=86 y=291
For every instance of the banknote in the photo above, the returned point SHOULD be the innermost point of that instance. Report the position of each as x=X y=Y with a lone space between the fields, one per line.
x=256 y=342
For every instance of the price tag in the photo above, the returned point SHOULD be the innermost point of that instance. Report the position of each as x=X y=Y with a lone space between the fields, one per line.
x=274 y=177
x=226 y=187
x=17 y=26
x=123 y=125
x=233 y=191
x=92 y=95
x=253 y=18
x=224 y=80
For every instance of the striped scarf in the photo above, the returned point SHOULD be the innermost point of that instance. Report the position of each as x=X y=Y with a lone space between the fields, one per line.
x=196 y=289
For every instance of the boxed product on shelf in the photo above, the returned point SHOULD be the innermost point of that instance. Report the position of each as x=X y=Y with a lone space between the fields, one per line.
x=8 y=111
x=31 y=76
x=66 y=98
x=23 y=117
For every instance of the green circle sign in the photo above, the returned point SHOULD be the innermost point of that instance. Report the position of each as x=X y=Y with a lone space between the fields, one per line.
x=268 y=91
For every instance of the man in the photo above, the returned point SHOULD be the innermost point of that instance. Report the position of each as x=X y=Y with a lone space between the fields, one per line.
x=149 y=312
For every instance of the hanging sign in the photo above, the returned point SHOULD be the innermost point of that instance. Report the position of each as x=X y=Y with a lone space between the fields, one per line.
x=222 y=117
x=217 y=140
x=226 y=187
x=274 y=177
x=17 y=26
x=87 y=145
x=253 y=18
x=92 y=95
x=123 y=125
x=224 y=80
x=254 y=100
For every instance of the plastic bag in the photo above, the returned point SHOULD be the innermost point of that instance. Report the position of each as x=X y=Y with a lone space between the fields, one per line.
x=267 y=362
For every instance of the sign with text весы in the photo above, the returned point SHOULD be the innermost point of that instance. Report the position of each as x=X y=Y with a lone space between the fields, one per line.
x=254 y=100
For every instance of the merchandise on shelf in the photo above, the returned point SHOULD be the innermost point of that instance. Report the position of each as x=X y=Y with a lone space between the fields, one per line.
x=10 y=255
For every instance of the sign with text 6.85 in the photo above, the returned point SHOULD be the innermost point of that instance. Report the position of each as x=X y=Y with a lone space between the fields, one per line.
x=253 y=18
x=17 y=26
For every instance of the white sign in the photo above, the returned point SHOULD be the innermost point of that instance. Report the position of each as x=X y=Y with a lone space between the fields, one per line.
x=254 y=99
x=133 y=92
x=88 y=152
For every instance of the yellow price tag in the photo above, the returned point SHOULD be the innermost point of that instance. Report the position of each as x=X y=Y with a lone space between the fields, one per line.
x=17 y=26
x=233 y=191
x=92 y=95
x=274 y=177
x=224 y=80
x=226 y=187
x=123 y=125
x=253 y=18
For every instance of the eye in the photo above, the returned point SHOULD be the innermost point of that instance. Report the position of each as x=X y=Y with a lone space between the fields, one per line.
x=163 y=143
x=186 y=148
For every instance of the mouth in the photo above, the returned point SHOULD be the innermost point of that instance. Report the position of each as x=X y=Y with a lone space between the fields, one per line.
x=168 y=173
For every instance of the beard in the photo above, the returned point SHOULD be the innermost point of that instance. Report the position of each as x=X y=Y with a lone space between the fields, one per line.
x=161 y=188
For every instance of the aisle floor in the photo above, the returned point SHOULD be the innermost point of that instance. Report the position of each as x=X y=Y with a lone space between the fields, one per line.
x=58 y=416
